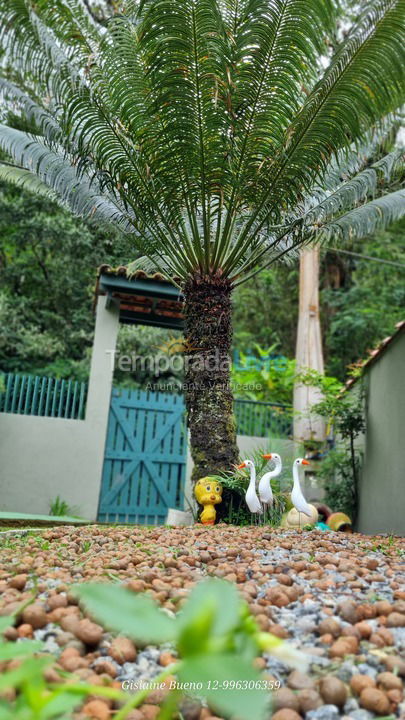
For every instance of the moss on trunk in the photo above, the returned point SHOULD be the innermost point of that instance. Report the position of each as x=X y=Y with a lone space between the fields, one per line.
x=208 y=393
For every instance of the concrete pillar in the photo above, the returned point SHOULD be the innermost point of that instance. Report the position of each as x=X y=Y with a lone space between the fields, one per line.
x=102 y=363
x=309 y=349
x=99 y=392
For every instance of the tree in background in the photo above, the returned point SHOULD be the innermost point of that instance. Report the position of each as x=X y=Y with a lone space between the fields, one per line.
x=208 y=131
x=370 y=299
x=48 y=261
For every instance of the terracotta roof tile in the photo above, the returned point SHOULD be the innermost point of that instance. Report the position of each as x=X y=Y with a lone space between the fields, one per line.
x=378 y=351
x=121 y=270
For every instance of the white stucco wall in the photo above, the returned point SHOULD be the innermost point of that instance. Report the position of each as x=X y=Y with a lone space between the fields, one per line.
x=42 y=457
x=382 y=477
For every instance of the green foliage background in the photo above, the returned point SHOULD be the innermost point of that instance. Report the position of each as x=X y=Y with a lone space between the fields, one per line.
x=48 y=262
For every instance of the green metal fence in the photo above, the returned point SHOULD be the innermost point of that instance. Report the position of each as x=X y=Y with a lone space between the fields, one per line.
x=262 y=419
x=42 y=396
x=49 y=397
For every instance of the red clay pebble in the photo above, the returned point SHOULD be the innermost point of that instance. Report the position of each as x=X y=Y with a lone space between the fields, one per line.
x=71 y=660
x=329 y=626
x=97 y=709
x=389 y=681
x=105 y=667
x=298 y=681
x=347 y=611
x=364 y=629
x=69 y=623
x=150 y=712
x=166 y=658
x=35 y=616
x=342 y=647
x=277 y=597
x=285 y=698
x=18 y=581
x=25 y=630
x=88 y=632
x=395 y=696
x=122 y=650
x=393 y=663
x=286 y=714
x=359 y=682
x=308 y=700
x=383 y=607
x=396 y=619
x=10 y=633
x=57 y=601
x=375 y=701
x=333 y=691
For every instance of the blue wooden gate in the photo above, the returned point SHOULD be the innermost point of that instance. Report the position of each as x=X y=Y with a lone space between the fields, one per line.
x=145 y=457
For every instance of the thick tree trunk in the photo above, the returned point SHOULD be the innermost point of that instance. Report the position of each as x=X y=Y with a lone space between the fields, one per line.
x=208 y=394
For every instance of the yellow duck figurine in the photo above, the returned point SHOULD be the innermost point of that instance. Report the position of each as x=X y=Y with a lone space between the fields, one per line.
x=208 y=492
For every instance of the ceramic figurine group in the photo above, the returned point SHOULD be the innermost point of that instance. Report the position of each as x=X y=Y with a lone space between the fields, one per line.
x=208 y=493
x=303 y=513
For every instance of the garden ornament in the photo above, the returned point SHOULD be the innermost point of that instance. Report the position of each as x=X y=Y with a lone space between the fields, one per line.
x=208 y=492
x=322 y=526
x=297 y=497
x=252 y=501
x=295 y=519
x=339 y=521
x=265 y=491
x=324 y=511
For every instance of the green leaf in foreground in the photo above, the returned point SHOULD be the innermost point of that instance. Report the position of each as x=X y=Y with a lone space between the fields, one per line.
x=218 y=596
x=9 y=651
x=125 y=612
x=60 y=703
x=217 y=674
x=5 y=622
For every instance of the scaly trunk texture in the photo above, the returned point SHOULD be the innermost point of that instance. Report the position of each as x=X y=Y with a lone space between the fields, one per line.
x=209 y=400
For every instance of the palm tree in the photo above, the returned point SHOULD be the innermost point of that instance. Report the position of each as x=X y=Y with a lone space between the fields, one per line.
x=220 y=133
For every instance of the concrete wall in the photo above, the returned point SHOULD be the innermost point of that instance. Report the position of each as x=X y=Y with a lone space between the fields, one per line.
x=42 y=457
x=382 y=483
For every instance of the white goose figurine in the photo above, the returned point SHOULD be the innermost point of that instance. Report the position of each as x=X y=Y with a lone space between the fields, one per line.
x=297 y=497
x=252 y=501
x=265 y=491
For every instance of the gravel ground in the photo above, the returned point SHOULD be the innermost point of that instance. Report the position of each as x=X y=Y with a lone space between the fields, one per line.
x=339 y=598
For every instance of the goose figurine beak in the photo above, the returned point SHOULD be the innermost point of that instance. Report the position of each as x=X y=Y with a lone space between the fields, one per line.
x=241 y=466
x=267 y=457
x=305 y=462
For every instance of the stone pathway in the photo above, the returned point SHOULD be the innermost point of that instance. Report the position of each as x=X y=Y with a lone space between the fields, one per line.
x=338 y=598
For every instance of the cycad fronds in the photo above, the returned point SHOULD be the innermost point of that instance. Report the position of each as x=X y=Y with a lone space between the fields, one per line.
x=366 y=219
x=25 y=179
x=203 y=126
x=62 y=178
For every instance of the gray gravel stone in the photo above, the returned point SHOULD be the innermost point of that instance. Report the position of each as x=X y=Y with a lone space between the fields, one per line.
x=350 y=705
x=366 y=669
x=326 y=712
x=361 y=715
x=345 y=671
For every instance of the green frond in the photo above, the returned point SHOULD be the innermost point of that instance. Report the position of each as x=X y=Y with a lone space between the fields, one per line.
x=364 y=82
x=349 y=161
x=61 y=177
x=356 y=190
x=26 y=180
x=366 y=219
x=34 y=113
x=275 y=47
x=202 y=126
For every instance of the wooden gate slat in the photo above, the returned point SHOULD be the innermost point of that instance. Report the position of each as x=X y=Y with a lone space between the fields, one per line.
x=145 y=457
